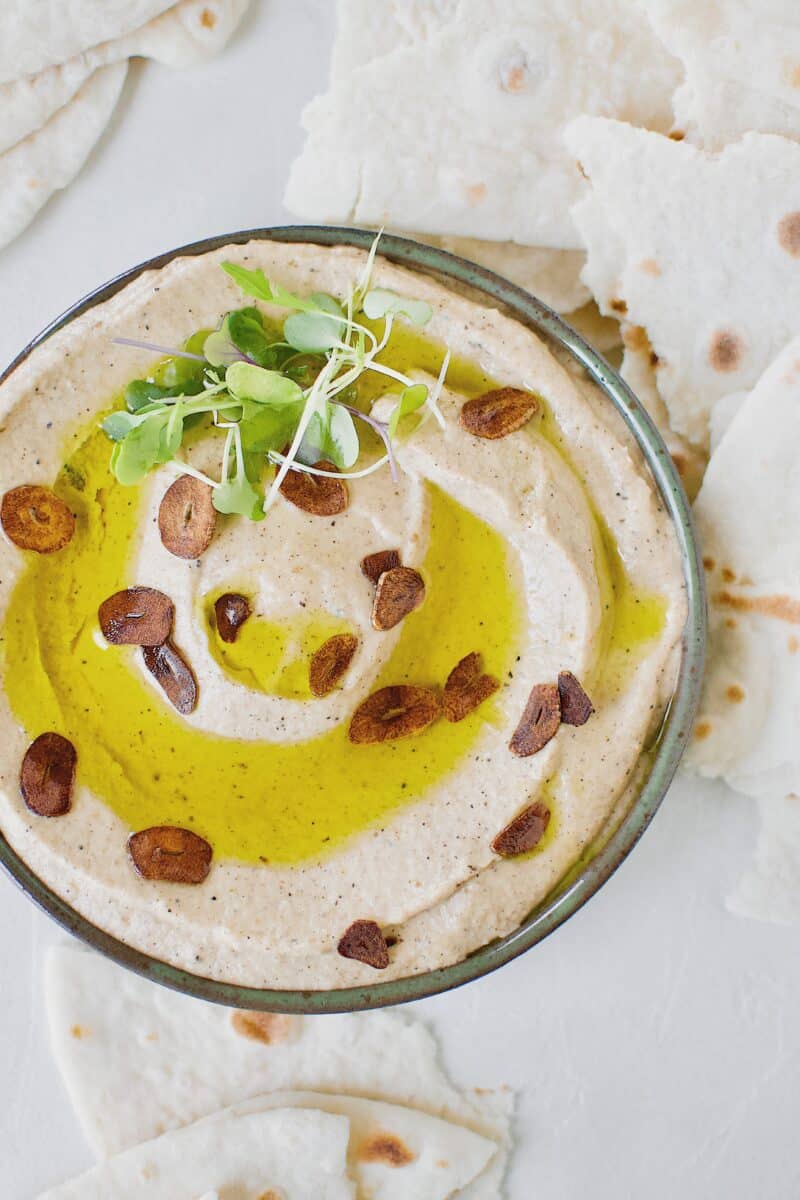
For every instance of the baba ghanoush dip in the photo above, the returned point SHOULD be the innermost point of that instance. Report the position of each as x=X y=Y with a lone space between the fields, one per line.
x=339 y=617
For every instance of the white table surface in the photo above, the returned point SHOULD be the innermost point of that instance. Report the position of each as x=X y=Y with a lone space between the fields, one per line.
x=654 y=1039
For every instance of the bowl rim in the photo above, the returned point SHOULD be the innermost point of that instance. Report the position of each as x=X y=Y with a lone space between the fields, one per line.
x=569 y=895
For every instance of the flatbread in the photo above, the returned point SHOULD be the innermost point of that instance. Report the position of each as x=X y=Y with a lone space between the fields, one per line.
x=770 y=888
x=639 y=372
x=395 y=1152
x=603 y=333
x=386 y=145
x=656 y=211
x=366 y=30
x=49 y=159
x=39 y=33
x=293 y=1153
x=748 y=515
x=742 y=64
x=187 y=33
x=117 y=1038
x=553 y=276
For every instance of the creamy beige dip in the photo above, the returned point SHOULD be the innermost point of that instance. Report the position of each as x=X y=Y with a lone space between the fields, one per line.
x=556 y=492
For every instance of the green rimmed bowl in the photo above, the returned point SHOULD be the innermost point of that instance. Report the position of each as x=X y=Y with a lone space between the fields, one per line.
x=593 y=870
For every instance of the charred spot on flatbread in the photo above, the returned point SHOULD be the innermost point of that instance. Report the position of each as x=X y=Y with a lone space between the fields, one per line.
x=265 y=1027
x=726 y=351
x=385 y=1148
x=789 y=234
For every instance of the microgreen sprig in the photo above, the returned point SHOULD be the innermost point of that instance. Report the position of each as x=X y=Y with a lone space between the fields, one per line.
x=283 y=402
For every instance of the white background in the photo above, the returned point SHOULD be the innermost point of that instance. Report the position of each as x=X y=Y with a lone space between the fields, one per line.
x=655 y=1039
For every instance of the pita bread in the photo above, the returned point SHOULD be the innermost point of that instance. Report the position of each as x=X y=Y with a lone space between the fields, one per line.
x=722 y=415
x=770 y=888
x=293 y=1153
x=742 y=64
x=187 y=33
x=748 y=514
x=366 y=30
x=40 y=33
x=116 y=1039
x=494 y=166
x=656 y=210
x=551 y=275
x=49 y=159
x=639 y=372
x=603 y=333
x=395 y=1152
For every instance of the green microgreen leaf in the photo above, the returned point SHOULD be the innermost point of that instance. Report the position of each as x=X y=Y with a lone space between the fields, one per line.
x=271 y=406
x=248 y=382
x=411 y=399
x=119 y=424
x=237 y=495
x=181 y=373
x=315 y=332
x=379 y=302
x=341 y=443
x=219 y=347
x=246 y=331
x=172 y=433
x=142 y=392
x=255 y=283
x=299 y=393
x=315 y=436
x=265 y=428
x=141 y=449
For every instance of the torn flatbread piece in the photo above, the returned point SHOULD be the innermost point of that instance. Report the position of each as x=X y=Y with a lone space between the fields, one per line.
x=116 y=1037
x=494 y=166
x=655 y=221
x=187 y=33
x=748 y=515
x=742 y=66
x=395 y=1152
x=40 y=33
x=49 y=159
x=366 y=30
x=553 y=276
x=293 y=1153
x=639 y=362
